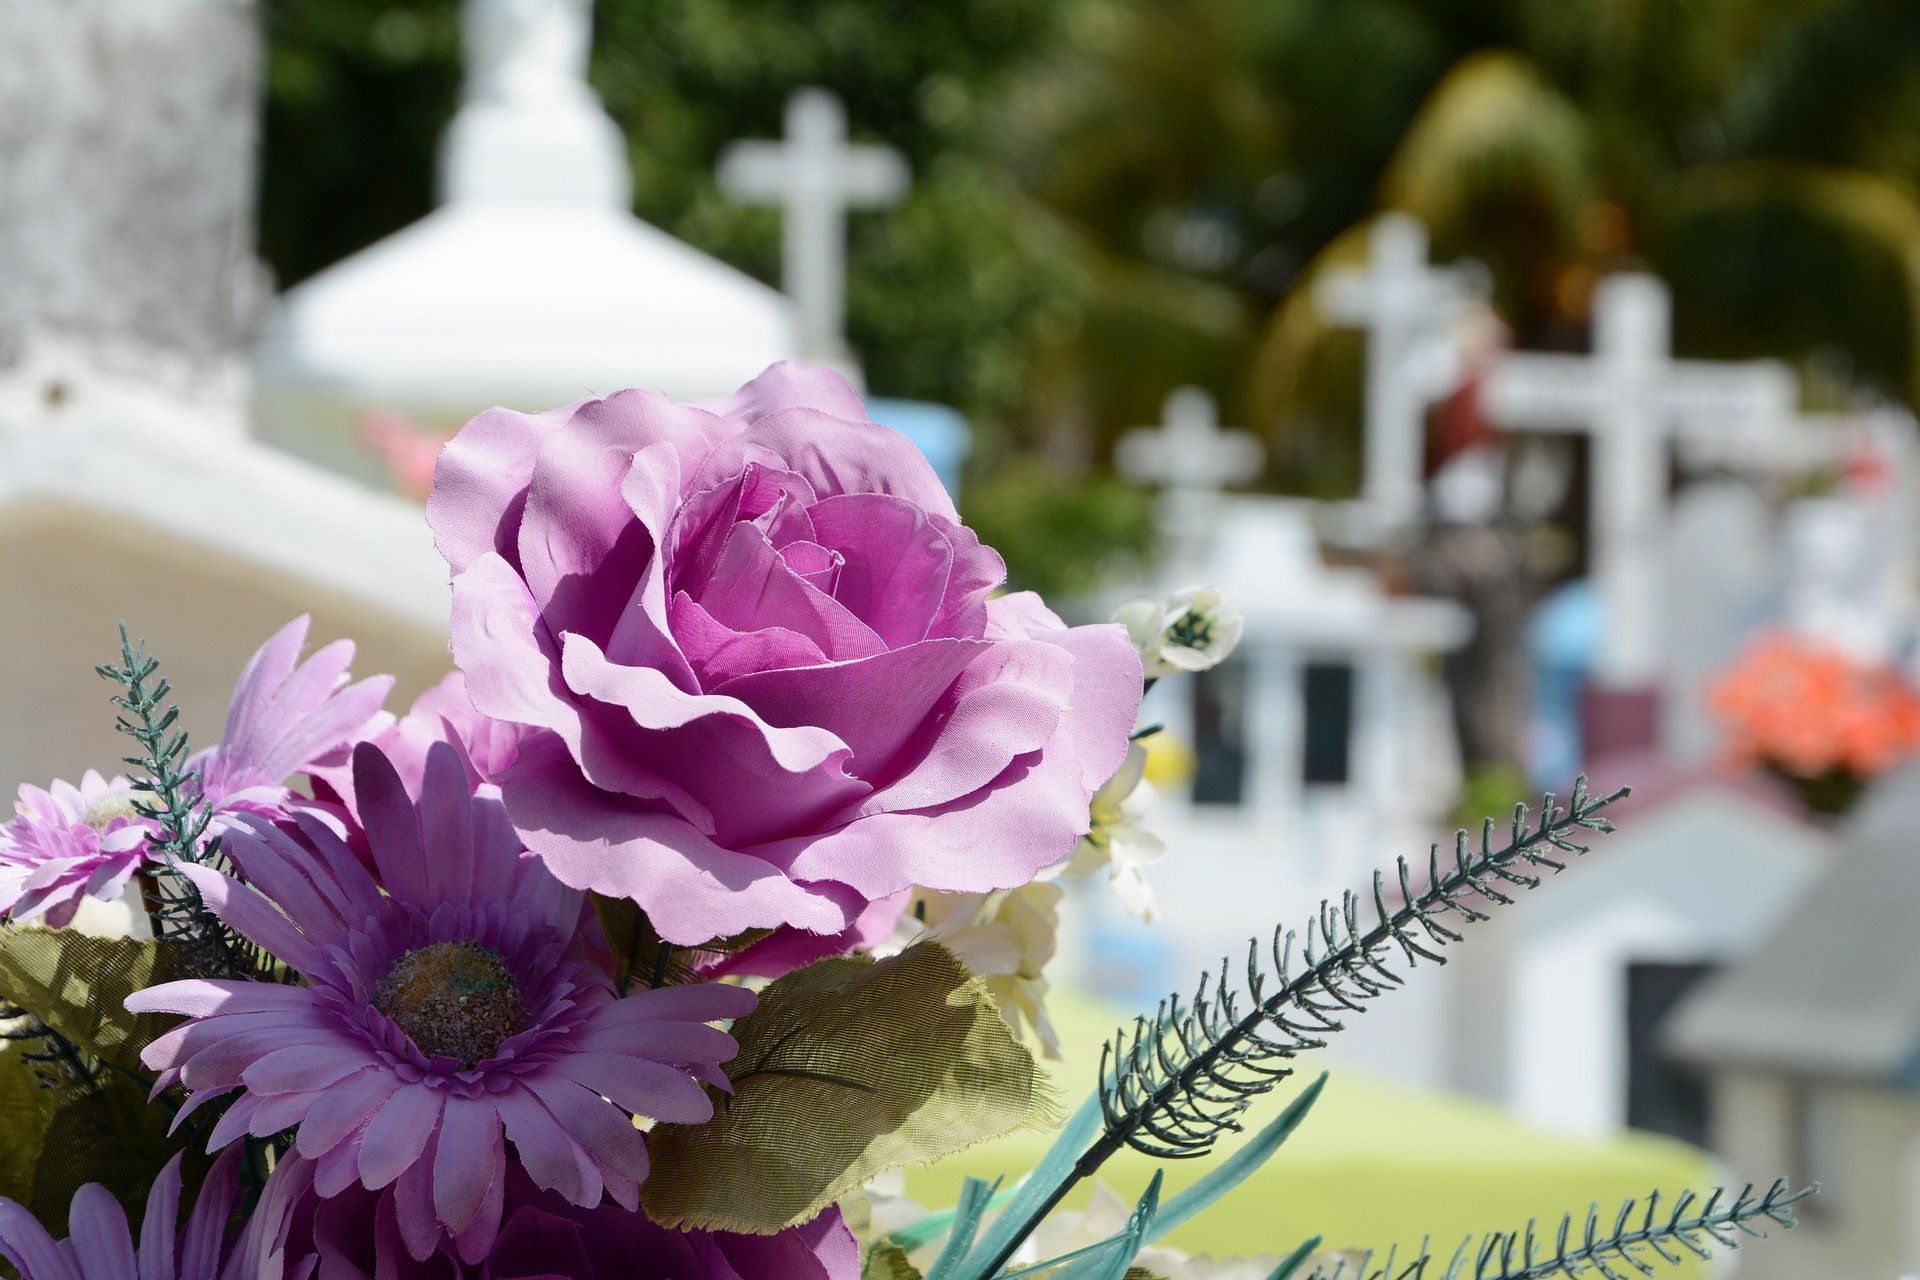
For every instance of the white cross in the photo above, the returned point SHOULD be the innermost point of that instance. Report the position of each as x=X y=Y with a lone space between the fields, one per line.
x=816 y=177
x=1191 y=459
x=1632 y=397
x=1410 y=311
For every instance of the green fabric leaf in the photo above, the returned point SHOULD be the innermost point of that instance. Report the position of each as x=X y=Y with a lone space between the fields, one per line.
x=888 y=1262
x=848 y=1068
x=640 y=955
x=79 y=985
x=53 y=1142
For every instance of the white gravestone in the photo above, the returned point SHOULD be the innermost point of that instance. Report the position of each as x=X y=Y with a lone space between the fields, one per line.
x=1723 y=582
x=1191 y=459
x=1632 y=397
x=815 y=176
x=1412 y=313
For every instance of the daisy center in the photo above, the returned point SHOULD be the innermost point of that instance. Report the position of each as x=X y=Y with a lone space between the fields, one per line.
x=456 y=999
x=102 y=812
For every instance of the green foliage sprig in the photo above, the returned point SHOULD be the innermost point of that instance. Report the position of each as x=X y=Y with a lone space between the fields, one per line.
x=1178 y=1081
x=1175 y=1083
x=1692 y=1224
x=176 y=804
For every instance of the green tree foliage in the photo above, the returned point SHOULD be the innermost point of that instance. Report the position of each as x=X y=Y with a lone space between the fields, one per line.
x=1115 y=197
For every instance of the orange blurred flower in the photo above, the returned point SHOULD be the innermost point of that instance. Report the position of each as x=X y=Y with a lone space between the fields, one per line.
x=1810 y=710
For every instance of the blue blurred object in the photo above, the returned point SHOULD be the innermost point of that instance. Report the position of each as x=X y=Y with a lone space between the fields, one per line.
x=1563 y=642
x=938 y=431
x=1127 y=962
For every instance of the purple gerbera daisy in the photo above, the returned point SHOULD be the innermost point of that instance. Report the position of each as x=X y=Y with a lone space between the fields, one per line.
x=100 y=1245
x=67 y=844
x=356 y=1236
x=451 y=1014
x=284 y=719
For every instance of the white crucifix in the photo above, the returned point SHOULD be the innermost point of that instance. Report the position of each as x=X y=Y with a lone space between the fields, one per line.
x=816 y=177
x=1411 y=312
x=1633 y=399
x=1191 y=459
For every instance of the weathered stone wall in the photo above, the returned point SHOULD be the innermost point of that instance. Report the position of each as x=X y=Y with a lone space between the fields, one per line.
x=128 y=139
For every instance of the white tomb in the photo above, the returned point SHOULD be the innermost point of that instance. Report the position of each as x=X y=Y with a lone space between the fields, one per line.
x=532 y=285
x=1323 y=743
x=1809 y=1050
x=815 y=177
x=1632 y=398
x=127 y=489
x=1559 y=1001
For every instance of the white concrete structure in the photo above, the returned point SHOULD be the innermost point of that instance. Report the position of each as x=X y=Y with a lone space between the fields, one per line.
x=1632 y=398
x=1322 y=746
x=205 y=546
x=1191 y=460
x=1411 y=312
x=1812 y=1052
x=815 y=177
x=128 y=489
x=532 y=285
x=1543 y=999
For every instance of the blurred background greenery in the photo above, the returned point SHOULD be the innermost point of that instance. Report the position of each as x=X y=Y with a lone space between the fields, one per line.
x=1114 y=198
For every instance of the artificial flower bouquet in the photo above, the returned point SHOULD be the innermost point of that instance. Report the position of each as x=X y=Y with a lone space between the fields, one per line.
x=716 y=885
x=1822 y=719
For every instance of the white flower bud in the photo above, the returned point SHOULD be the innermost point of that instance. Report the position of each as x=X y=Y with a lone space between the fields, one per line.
x=1191 y=630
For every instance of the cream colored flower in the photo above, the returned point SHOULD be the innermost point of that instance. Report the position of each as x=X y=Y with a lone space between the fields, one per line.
x=1190 y=630
x=1119 y=841
x=889 y=1206
x=1005 y=938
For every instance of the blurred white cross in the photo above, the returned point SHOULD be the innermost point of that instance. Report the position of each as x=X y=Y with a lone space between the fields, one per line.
x=815 y=176
x=1633 y=398
x=1191 y=459
x=1411 y=312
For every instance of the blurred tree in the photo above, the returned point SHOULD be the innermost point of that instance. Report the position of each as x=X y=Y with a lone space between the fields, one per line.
x=1756 y=153
x=1110 y=194
x=358 y=92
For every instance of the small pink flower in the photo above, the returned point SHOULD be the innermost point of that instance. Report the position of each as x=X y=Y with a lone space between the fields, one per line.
x=767 y=674
x=357 y=1236
x=69 y=843
x=444 y=1019
x=284 y=720
x=101 y=1247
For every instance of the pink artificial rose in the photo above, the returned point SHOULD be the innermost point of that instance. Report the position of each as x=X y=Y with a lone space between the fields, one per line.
x=755 y=647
